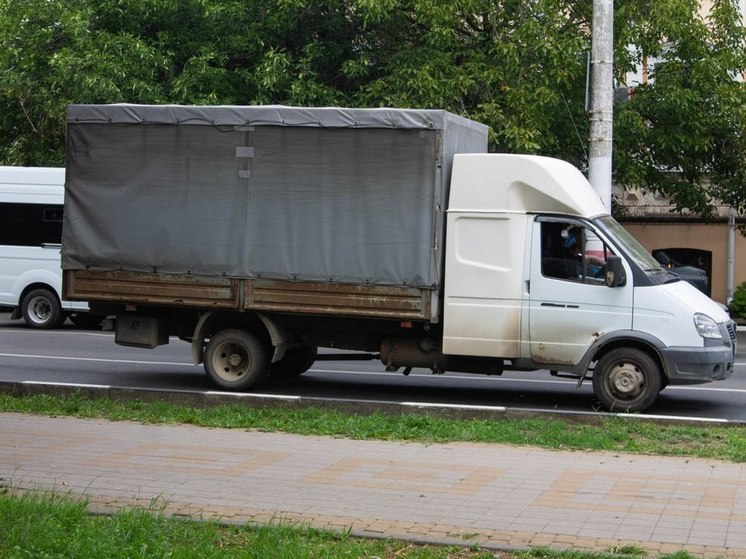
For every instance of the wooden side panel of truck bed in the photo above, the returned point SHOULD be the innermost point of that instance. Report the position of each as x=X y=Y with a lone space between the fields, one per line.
x=249 y=294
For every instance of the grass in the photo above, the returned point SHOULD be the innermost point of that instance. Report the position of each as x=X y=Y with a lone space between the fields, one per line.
x=49 y=525
x=612 y=434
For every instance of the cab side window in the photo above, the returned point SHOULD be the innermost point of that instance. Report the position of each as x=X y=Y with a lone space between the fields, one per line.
x=571 y=252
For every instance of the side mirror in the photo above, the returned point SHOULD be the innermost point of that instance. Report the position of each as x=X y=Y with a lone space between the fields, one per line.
x=615 y=275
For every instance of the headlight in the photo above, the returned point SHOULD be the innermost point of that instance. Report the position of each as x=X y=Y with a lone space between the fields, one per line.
x=707 y=327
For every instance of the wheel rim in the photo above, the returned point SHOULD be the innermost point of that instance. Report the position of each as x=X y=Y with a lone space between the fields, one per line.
x=231 y=361
x=39 y=310
x=627 y=381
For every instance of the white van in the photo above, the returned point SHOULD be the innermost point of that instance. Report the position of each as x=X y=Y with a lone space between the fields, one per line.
x=31 y=200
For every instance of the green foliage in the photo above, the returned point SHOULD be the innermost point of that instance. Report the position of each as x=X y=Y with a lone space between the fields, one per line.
x=737 y=306
x=682 y=133
x=518 y=66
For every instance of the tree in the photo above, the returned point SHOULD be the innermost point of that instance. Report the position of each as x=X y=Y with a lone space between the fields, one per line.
x=517 y=65
x=488 y=60
x=52 y=54
x=514 y=65
x=682 y=132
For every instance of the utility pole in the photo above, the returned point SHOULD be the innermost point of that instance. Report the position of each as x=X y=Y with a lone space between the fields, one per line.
x=602 y=101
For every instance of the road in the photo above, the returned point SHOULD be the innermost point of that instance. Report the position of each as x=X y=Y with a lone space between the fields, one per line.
x=86 y=357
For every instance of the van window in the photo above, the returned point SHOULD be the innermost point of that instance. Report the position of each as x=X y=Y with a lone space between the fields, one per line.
x=572 y=252
x=30 y=224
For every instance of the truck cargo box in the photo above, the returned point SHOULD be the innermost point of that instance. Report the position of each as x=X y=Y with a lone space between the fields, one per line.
x=259 y=193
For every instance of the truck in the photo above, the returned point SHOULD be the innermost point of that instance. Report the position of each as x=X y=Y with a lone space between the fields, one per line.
x=259 y=234
x=31 y=200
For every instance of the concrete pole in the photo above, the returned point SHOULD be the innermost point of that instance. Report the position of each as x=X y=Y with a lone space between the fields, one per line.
x=602 y=99
x=730 y=273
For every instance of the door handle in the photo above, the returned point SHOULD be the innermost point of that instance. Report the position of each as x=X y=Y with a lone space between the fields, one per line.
x=559 y=306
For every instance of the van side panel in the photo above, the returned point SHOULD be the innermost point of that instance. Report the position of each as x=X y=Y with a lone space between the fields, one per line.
x=484 y=287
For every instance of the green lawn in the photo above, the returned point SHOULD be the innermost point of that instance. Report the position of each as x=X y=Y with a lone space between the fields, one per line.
x=612 y=434
x=50 y=526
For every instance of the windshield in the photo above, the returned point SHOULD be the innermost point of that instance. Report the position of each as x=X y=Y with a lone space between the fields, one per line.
x=620 y=236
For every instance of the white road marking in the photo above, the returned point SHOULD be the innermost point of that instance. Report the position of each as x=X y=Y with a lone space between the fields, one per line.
x=498 y=409
x=38 y=332
x=94 y=359
x=497 y=378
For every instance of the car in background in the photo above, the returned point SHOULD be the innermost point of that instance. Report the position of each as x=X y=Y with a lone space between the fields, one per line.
x=690 y=274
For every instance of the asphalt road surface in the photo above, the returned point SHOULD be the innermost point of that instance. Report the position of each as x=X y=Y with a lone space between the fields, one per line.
x=70 y=355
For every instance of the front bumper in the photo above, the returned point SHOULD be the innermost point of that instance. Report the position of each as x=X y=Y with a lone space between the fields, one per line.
x=712 y=362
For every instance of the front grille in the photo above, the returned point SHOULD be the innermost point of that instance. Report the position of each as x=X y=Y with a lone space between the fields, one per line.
x=732 y=331
x=731 y=326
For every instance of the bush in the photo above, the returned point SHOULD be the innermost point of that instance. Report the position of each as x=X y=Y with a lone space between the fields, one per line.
x=738 y=304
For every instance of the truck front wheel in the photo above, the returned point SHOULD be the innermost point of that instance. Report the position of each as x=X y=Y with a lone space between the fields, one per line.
x=236 y=359
x=41 y=309
x=626 y=379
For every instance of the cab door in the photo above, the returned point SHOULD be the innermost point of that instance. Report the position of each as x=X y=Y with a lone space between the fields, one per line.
x=570 y=305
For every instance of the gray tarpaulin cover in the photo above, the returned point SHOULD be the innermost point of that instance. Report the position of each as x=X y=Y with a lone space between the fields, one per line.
x=322 y=194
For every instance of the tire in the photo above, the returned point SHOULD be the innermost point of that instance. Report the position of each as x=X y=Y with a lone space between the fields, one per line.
x=236 y=360
x=41 y=309
x=627 y=379
x=296 y=362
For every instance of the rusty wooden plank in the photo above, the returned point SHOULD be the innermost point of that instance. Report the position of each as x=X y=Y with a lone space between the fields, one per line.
x=405 y=303
x=344 y=299
x=154 y=288
x=268 y=295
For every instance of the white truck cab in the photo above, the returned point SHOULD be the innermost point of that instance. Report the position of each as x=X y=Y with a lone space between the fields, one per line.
x=31 y=210
x=538 y=271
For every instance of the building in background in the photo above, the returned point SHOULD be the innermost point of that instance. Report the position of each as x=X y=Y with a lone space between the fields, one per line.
x=689 y=241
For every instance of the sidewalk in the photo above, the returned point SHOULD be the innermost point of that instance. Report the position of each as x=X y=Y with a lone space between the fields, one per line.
x=490 y=495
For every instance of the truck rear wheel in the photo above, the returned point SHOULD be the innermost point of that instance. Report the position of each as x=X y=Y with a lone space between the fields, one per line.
x=236 y=359
x=41 y=309
x=626 y=379
x=296 y=362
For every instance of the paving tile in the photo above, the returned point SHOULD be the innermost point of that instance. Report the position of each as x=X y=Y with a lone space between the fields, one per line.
x=462 y=493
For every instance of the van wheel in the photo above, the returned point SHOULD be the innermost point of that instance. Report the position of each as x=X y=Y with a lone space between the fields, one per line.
x=626 y=379
x=236 y=359
x=42 y=309
x=296 y=362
